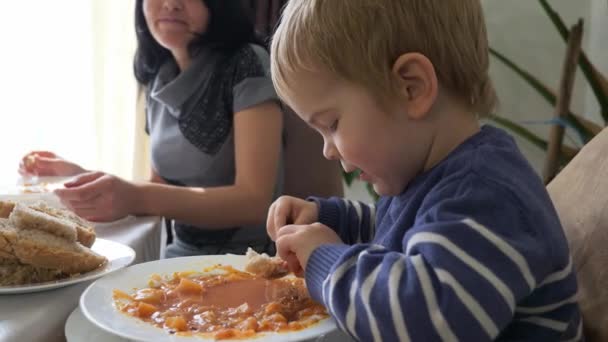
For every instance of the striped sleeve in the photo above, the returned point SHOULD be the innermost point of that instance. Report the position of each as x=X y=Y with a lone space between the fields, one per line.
x=454 y=281
x=354 y=221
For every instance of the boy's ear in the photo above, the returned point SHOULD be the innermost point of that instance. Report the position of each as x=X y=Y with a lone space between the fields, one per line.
x=417 y=82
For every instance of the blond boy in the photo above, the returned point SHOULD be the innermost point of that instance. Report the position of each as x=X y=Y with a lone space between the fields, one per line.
x=464 y=243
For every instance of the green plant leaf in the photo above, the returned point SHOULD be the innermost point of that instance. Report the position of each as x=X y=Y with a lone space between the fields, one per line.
x=348 y=177
x=520 y=130
x=583 y=127
x=555 y=19
x=371 y=191
x=566 y=153
x=598 y=82
x=546 y=92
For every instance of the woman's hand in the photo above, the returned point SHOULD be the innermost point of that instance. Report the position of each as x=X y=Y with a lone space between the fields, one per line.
x=45 y=163
x=97 y=196
x=290 y=210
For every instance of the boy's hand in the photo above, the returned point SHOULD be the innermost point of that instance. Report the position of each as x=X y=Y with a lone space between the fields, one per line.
x=45 y=163
x=290 y=210
x=295 y=243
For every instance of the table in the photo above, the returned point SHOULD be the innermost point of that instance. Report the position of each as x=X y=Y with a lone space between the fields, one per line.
x=42 y=316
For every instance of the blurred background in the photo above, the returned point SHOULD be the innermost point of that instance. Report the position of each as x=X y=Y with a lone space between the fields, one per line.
x=68 y=86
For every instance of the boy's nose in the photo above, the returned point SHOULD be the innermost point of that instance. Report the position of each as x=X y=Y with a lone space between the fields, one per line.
x=329 y=151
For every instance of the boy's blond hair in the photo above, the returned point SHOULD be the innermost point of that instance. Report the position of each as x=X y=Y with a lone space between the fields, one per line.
x=359 y=41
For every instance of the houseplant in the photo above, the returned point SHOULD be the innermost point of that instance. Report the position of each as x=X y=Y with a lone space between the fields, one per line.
x=583 y=127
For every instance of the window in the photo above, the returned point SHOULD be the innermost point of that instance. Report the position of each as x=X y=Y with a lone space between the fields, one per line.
x=68 y=85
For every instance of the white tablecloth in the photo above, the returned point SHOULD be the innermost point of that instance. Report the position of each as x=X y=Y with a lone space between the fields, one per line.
x=42 y=316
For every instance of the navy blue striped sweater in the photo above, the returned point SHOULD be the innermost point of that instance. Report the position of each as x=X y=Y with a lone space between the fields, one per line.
x=472 y=250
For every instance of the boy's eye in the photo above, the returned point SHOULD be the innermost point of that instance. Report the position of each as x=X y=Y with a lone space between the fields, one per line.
x=334 y=126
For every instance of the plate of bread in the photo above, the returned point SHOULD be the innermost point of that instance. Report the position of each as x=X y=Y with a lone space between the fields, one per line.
x=206 y=298
x=43 y=247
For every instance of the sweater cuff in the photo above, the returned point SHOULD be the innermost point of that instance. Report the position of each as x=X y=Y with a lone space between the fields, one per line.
x=319 y=267
x=329 y=211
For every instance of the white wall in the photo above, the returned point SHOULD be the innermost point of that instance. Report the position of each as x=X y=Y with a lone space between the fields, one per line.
x=522 y=31
x=597 y=47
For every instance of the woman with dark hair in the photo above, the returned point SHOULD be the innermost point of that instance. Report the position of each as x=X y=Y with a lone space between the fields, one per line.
x=228 y=29
x=215 y=130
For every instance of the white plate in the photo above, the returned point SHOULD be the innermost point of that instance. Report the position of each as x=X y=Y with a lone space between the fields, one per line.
x=79 y=329
x=33 y=190
x=119 y=256
x=44 y=179
x=32 y=198
x=96 y=302
x=34 y=185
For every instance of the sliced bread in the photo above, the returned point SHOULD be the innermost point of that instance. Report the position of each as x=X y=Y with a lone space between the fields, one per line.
x=84 y=229
x=7 y=255
x=18 y=274
x=264 y=265
x=24 y=217
x=44 y=250
x=6 y=207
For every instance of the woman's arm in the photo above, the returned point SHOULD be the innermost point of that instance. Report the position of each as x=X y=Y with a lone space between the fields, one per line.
x=257 y=139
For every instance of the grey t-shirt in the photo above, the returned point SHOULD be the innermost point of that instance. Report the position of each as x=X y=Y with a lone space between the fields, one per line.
x=189 y=120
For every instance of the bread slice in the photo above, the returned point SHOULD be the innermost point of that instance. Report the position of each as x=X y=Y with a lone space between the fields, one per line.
x=6 y=207
x=7 y=256
x=19 y=274
x=265 y=266
x=85 y=232
x=27 y=218
x=44 y=250
x=84 y=229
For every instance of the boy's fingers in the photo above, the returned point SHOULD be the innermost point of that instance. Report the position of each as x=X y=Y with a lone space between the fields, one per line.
x=293 y=264
x=285 y=243
x=286 y=230
x=284 y=249
x=270 y=228
x=280 y=216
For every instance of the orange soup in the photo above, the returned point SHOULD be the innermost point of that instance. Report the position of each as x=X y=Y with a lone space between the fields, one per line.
x=222 y=303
